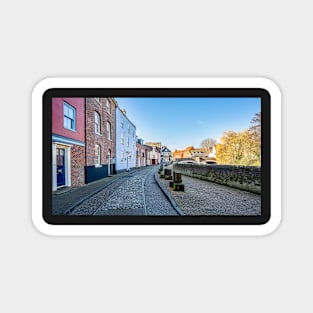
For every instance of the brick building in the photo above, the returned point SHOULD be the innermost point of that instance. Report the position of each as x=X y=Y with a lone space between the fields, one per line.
x=199 y=155
x=143 y=153
x=148 y=154
x=100 y=138
x=68 y=142
x=140 y=153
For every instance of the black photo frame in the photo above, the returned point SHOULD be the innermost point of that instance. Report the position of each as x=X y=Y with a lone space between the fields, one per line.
x=261 y=93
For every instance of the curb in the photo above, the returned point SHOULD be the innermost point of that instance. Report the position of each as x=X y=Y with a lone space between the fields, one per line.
x=168 y=196
x=71 y=209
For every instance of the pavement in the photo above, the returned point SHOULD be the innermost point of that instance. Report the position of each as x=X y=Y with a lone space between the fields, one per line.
x=202 y=197
x=65 y=199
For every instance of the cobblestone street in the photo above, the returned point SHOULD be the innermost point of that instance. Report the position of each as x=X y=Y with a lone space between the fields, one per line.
x=205 y=198
x=134 y=194
x=142 y=192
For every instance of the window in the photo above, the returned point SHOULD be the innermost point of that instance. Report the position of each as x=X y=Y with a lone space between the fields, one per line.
x=122 y=156
x=109 y=130
x=69 y=114
x=97 y=155
x=97 y=123
x=122 y=124
x=122 y=138
x=98 y=99
x=108 y=106
x=127 y=141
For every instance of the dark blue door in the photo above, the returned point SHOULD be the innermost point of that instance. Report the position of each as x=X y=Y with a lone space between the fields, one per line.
x=60 y=167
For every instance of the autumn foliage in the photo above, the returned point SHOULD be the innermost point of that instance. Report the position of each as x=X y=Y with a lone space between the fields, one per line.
x=241 y=148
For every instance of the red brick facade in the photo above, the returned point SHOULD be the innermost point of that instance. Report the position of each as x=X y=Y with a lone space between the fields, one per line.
x=102 y=135
x=140 y=155
x=143 y=154
x=78 y=165
x=81 y=164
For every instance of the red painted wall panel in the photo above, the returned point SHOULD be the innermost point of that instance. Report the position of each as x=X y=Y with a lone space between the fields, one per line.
x=58 y=118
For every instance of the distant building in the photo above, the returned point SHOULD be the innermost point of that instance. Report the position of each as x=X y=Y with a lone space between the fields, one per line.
x=212 y=152
x=198 y=153
x=166 y=155
x=155 y=153
x=125 y=141
x=183 y=154
x=143 y=153
x=148 y=155
x=68 y=142
x=154 y=144
x=178 y=154
x=140 y=153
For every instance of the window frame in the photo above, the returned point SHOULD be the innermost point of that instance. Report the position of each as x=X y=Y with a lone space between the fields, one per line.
x=108 y=106
x=96 y=114
x=73 y=120
x=97 y=155
x=109 y=137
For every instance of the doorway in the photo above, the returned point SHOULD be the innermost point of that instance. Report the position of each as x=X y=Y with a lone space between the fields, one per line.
x=60 y=154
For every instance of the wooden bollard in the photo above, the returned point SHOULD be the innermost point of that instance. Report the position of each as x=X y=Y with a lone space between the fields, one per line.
x=177 y=183
x=168 y=174
x=177 y=177
x=178 y=187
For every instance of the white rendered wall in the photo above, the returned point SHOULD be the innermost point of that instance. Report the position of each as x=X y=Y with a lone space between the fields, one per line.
x=123 y=150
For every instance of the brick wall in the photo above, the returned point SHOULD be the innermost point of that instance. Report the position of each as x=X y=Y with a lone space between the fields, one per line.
x=92 y=106
x=92 y=138
x=242 y=177
x=78 y=165
x=140 y=155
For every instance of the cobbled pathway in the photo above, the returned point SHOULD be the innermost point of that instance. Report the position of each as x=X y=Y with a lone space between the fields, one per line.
x=156 y=203
x=134 y=194
x=205 y=198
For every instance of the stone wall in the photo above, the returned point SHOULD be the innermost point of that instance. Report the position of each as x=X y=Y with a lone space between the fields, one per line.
x=242 y=177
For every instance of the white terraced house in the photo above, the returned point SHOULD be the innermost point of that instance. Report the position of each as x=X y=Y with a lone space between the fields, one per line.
x=125 y=142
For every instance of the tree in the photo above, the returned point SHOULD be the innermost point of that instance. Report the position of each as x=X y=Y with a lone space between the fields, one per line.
x=256 y=122
x=242 y=148
x=255 y=139
x=230 y=151
x=208 y=144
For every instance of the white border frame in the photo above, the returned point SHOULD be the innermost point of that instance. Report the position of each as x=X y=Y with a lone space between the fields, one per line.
x=156 y=230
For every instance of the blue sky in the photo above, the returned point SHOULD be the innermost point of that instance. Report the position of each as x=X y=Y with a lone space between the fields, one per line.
x=181 y=122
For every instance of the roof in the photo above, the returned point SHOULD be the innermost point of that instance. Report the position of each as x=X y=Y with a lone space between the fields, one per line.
x=165 y=149
x=124 y=115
